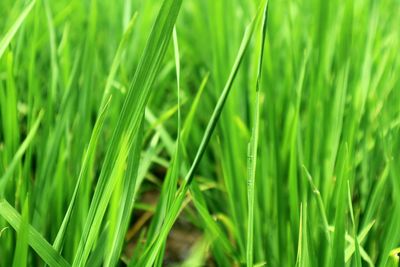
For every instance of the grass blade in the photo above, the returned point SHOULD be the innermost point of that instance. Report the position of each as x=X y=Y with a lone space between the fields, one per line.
x=84 y=169
x=14 y=28
x=356 y=242
x=48 y=254
x=20 y=152
x=253 y=147
x=129 y=122
x=152 y=251
x=21 y=250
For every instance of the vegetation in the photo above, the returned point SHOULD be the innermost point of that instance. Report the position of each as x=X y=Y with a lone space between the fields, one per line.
x=199 y=133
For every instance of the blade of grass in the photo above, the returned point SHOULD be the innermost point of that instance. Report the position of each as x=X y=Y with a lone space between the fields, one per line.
x=357 y=258
x=151 y=252
x=117 y=59
x=337 y=250
x=303 y=257
x=170 y=184
x=94 y=136
x=360 y=237
x=116 y=174
x=129 y=121
x=187 y=125
x=14 y=28
x=96 y=257
x=48 y=254
x=211 y=226
x=58 y=242
x=21 y=250
x=321 y=206
x=253 y=146
x=126 y=203
x=20 y=152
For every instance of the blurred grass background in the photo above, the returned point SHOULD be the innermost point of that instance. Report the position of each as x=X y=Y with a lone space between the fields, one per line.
x=329 y=132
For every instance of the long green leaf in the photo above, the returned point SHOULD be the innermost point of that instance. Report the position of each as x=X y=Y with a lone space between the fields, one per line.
x=36 y=241
x=14 y=28
x=152 y=251
x=21 y=250
x=129 y=121
x=83 y=172
x=356 y=242
x=20 y=152
x=253 y=148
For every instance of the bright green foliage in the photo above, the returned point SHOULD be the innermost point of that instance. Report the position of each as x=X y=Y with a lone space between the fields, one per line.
x=265 y=133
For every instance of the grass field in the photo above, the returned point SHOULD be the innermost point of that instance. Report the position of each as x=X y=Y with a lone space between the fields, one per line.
x=199 y=133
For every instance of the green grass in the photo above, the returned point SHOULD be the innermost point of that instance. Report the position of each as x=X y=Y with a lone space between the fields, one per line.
x=199 y=133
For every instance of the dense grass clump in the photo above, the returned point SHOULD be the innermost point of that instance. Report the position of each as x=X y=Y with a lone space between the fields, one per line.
x=199 y=133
